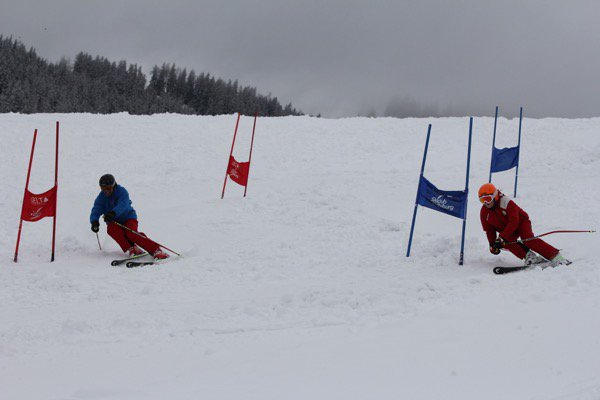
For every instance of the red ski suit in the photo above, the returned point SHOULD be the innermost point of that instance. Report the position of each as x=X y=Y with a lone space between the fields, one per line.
x=508 y=220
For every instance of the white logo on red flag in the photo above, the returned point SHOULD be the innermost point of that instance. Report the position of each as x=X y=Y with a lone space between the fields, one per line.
x=38 y=206
x=238 y=171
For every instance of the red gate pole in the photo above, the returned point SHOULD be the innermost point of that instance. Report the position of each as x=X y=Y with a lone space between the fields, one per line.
x=55 y=194
x=24 y=195
x=230 y=154
x=250 y=158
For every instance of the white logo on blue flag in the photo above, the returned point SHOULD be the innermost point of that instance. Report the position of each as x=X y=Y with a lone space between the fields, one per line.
x=451 y=202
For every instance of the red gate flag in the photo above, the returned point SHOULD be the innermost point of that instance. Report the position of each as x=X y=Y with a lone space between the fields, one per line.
x=238 y=171
x=38 y=206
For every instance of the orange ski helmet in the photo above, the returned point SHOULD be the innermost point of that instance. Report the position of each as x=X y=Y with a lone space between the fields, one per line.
x=487 y=193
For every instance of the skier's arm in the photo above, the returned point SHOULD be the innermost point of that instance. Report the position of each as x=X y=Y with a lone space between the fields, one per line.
x=491 y=236
x=512 y=212
x=490 y=232
x=96 y=209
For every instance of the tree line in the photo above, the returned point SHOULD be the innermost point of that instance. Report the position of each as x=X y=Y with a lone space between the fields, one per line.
x=30 y=84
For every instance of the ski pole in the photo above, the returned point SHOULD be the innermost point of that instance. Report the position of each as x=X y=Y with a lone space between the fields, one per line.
x=98 y=237
x=139 y=234
x=548 y=233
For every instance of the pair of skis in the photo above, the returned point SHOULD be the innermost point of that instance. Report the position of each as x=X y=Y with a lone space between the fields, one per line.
x=131 y=263
x=508 y=270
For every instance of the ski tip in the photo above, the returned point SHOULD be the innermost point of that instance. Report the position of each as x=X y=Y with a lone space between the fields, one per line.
x=507 y=270
x=133 y=264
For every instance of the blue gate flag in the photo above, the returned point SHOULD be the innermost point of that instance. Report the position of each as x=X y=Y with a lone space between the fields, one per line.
x=508 y=157
x=504 y=159
x=451 y=202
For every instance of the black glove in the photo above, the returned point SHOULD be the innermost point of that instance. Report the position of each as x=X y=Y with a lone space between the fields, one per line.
x=494 y=250
x=95 y=226
x=109 y=216
x=498 y=245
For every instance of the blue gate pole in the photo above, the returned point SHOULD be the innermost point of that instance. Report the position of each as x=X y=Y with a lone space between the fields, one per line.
x=519 y=154
x=462 y=242
x=493 y=144
x=414 y=218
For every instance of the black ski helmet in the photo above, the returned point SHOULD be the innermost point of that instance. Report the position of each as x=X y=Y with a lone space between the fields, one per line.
x=107 y=180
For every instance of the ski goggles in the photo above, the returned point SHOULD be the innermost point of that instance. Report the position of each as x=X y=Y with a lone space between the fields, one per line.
x=107 y=188
x=486 y=198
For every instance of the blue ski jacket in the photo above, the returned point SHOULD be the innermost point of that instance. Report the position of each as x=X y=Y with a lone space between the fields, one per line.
x=118 y=202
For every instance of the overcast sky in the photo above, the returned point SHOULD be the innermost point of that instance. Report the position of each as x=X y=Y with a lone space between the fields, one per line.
x=341 y=58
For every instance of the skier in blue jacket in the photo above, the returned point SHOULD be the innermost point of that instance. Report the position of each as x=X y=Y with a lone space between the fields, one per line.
x=113 y=202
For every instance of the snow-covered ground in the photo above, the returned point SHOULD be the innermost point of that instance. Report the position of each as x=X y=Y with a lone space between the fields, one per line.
x=302 y=289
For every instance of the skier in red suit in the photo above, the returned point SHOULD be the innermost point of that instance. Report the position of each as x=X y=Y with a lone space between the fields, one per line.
x=504 y=221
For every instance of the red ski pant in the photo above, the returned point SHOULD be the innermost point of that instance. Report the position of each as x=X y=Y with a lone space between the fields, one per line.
x=126 y=239
x=537 y=245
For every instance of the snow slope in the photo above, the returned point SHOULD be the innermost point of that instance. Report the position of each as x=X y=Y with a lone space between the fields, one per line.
x=302 y=289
